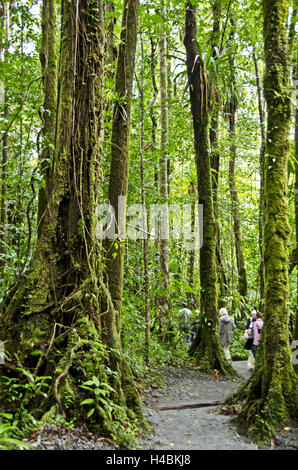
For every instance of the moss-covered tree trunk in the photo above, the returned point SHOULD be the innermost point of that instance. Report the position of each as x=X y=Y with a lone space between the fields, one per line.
x=48 y=59
x=272 y=394
x=4 y=160
x=163 y=299
x=110 y=48
x=151 y=106
x=292 y=44
x=53 y=324
x=215 y=168
x=262 y=169
x=296 y=192
x=232 y=108
x=215 y=154
x=144 y=217
x=242 y=280
x=191 y=295
x=119 y=169
x=206 y=346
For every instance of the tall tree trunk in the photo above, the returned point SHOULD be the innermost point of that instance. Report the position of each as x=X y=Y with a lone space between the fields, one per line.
x=192 y=300
x=206 y=346
x=110 y=48
x=262 y=168
x=153 y=137
x=4 y=162
x=242 y=280
x=119 y=168
x=215 y=166
x=215 y=155
x=48 y=59
x=163 y=302
x=296 y=192
x=232 y=283
x=294 y=254
x=272 y=395
x=58 y=305
x=19 y=201
x=145 y=228
x=151 y=105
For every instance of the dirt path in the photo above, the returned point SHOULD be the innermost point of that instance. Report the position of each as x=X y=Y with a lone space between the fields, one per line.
x=200 y=428
x=197 y=428
x=182 y=429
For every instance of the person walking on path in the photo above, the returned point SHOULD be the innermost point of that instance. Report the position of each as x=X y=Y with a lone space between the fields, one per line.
x=249 y=339
x=251 y=319
x=185 y=315
x=257 y=326
x=226 y=327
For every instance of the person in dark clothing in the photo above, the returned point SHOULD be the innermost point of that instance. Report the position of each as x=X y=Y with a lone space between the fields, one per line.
x=249 y=341
x=251 y=319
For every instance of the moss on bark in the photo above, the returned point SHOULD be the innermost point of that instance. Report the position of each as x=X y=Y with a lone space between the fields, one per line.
x=119 y=168
x=206 y=347
x=163 y=298
x=52 y=322
x=48 y=59
x=271 y=397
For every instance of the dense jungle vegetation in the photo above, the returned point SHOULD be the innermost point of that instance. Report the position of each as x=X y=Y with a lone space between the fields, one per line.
x=148 y=162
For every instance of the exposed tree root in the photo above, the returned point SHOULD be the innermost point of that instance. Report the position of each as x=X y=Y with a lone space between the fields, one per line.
x=185 y=406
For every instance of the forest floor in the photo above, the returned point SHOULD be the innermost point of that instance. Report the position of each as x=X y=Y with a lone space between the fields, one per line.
x=204 y=428
x=194 y=428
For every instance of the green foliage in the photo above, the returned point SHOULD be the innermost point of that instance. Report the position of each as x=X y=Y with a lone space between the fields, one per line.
x=161 y=353
x=238 y=353
x=7 y=442
x=101 y=393
x=20 y=122
x=19 y=394
x=20 y=75
x=22 y=418
x=121 y=424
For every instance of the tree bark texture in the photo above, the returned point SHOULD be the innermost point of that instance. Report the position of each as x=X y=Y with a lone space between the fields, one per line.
x=56 y=307
x=206 y=346
x=119 y=167
x=262 y=177
x=163 y=301
x=215 y=154
x=272 y=395
x=144 y=218
x=5 y=143
x=48 y=60
x=296 y=191
x=242 y=280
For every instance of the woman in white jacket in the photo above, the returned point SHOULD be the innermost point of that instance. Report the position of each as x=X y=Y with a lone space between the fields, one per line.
x=226 y=327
